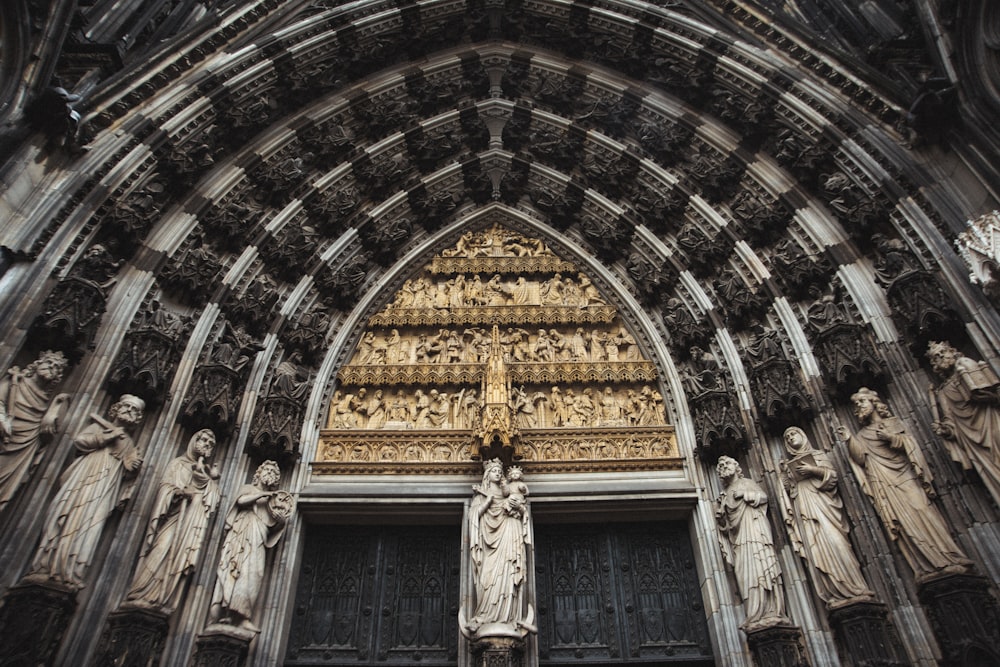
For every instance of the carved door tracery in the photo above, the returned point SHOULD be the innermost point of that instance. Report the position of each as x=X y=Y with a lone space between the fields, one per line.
x=385 y=595
x=618 y=594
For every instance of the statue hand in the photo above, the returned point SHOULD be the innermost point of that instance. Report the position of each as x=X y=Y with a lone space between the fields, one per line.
x=842 y=433
x=133 y=464
x=943 y=429
x=6 y=427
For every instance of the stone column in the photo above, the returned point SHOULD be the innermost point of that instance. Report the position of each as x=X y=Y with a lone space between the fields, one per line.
x=865 y=635
x=33 y=618
x=965 y=617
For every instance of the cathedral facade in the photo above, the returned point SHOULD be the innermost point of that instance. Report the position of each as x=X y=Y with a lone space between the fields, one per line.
x=499 y=332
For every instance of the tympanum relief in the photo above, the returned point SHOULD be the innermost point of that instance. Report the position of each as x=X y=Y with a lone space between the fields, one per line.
x=576 y=387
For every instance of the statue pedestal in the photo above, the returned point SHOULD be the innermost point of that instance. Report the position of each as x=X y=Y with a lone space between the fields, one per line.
x=221 y=644
x=33 y=618
x=133 y=637
x=965 y=618
x=498 y=652
x=777 y=646
x=865 y=635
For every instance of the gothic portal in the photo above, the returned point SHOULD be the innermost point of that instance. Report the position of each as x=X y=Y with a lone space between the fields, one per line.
x=499 y=332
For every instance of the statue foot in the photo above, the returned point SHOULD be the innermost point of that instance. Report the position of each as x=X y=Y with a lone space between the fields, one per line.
x=245 y=624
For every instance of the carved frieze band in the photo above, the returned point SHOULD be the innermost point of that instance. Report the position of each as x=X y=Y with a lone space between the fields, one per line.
x=490 y=265
x=502 y=315
x=523 y=373
x=548 y=450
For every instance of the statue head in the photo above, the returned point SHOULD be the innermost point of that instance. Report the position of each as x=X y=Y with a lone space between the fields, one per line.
x=866 y=403
x=267 y=476
x=514 y=473
x=201 y=444
x=728 y=468
x=49 y=366
x=942 y=356
x=128 y=410
x=796 y=440
x=492 y=470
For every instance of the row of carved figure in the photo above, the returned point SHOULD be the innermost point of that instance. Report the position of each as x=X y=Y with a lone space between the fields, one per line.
x=472 y=345
x=102 y=478
x=462 y=292
x=892 y=471
x=586 y=408
x=497 y=242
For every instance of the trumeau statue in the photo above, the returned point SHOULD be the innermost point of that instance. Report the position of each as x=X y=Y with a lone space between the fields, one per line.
x=90 y=490
x=966 y=406
x=255 y=524
x=819 y=521
x=502 y=553
x=186 y=499
x=748 y=546
x=892 y=470
x=29 y=417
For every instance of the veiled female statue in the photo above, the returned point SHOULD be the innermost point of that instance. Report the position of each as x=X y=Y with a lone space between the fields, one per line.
x=185 y=501
x=500 y=539
x=254 y=524
x=819 y=520
x=748 y=546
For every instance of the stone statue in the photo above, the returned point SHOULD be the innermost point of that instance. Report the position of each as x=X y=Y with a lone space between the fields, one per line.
x=90 y=490
x=819 y=521
x=255 y=524
x=29 y=417
x=748 y=546
x=185 y=501
x=966 y=407
x=500 y=543
x=892 y=471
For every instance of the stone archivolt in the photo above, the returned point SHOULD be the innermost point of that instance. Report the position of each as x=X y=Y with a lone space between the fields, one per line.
x=574 y=397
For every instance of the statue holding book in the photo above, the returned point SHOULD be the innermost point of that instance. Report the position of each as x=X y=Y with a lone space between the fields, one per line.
x=966 y=408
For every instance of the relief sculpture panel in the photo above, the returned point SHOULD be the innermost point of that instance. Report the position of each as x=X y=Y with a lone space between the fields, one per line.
x=575 y=391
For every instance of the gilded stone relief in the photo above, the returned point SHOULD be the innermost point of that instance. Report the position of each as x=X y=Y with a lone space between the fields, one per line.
x=498 y=343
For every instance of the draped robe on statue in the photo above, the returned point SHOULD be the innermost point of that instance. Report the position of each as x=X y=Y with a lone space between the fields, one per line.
x=750 y=550
x=252 y=530
x=499 y=558
x=894 y=474
x=824 y=530
x=176 y=532
x=974 y=417
x=28 y=405
x=89 y=490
